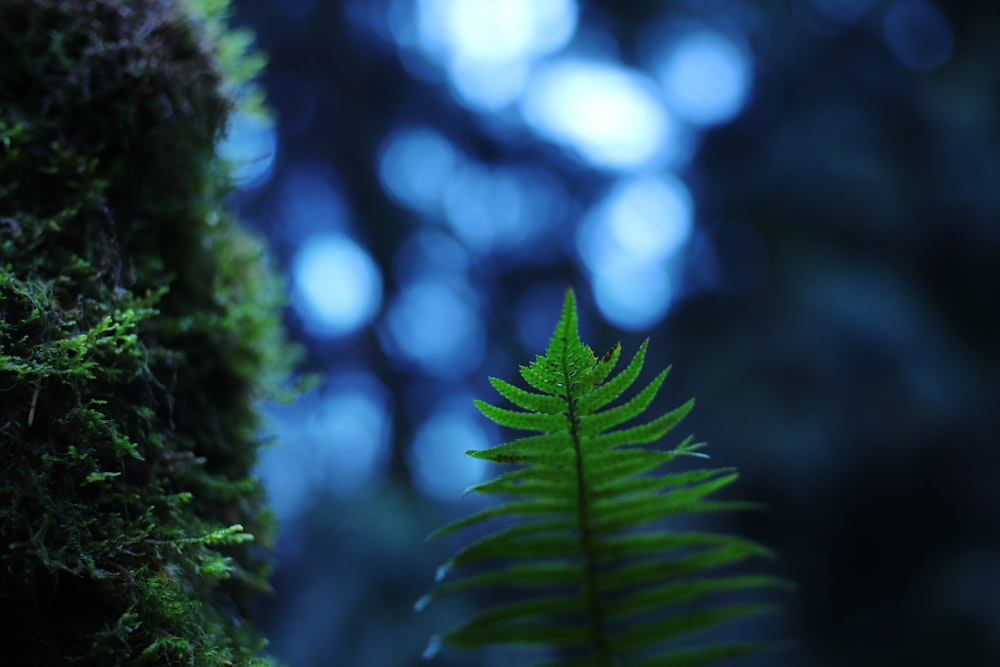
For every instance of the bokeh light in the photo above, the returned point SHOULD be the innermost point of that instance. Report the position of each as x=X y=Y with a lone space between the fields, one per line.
x=415 y=165
x=642 y=221
x=918 y=35
x=426 y=254
x=336 y=286
x=335 y=440
x=250 y=147
x=706 y=76
x=627 y=243
x=635 y=298
x=496 y=209
x=496 y=31
x=488 y=48
x=438 y=463
x=608 y=115
x=434 y=325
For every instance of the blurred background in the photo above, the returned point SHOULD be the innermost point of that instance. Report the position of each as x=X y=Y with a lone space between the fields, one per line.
x=797 y=201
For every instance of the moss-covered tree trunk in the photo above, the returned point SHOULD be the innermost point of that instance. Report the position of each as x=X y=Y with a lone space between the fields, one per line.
x=137 y=329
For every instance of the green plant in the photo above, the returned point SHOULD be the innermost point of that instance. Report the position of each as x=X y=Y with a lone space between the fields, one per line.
x=139 y=326
x=596 y=574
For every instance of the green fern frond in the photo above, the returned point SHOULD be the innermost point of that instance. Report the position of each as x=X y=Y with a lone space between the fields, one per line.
x=597 y=576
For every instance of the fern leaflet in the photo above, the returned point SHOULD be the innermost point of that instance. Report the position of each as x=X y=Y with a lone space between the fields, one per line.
x=597 y=576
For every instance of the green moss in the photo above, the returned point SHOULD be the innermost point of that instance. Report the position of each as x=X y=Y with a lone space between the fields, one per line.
x=138 y=327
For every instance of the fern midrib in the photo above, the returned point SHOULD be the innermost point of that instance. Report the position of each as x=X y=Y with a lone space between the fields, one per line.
x=590 y=590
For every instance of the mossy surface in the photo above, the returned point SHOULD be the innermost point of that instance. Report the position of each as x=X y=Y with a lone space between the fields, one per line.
x=138 y=328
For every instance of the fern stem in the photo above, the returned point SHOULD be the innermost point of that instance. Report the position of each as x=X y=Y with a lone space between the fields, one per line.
x=590 y=590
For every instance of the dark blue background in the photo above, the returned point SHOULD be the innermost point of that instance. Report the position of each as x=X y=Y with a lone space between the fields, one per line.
x=798 y=202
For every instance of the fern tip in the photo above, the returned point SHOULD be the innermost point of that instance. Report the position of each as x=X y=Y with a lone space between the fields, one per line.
x=422 y=603
x=469 y=489
x=442 y=572
x=430 y=536
x=433 y=646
